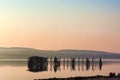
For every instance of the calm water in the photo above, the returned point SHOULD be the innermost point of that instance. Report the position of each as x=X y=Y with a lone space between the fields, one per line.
x=18 y=70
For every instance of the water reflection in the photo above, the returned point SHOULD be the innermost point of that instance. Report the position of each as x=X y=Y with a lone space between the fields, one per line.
x=18 y=69
x=38 y=64
x=56 y=64
x=14 y=62
x=100 y=64
x=73 y=63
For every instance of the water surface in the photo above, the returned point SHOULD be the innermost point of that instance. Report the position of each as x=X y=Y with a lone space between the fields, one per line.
x=17 y=69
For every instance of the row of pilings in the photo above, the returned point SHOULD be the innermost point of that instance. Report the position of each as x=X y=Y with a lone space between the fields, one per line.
x=37 y=64
x=83 y=63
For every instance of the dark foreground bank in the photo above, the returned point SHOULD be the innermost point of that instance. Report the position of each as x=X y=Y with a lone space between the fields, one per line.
x=86 y=78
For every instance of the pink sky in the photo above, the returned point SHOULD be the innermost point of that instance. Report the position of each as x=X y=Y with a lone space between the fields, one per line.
x=52 y=26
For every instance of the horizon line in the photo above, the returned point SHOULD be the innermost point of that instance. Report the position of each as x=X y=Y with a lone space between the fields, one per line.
x=62 y=49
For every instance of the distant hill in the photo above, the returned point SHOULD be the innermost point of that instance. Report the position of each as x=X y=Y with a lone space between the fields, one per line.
x=23 y=53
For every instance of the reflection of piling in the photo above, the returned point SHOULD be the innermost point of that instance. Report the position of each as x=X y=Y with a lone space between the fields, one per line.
x=93 y=64
x=87 y=64
x=67 y=63
x=79 y=63
x=60 y=63
x=51 y=64
x=64 y=63
x=56 y=64
x=100 y=64
x=70 y=64
x=82 y=64
x=73 y=64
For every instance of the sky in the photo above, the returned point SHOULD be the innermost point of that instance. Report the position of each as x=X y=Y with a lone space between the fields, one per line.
x=61 y=24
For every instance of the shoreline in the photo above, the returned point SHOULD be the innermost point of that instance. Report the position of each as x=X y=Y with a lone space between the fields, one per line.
x=98 y=77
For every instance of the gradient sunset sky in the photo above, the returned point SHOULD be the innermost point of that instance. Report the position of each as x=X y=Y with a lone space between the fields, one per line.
x=61 y=24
